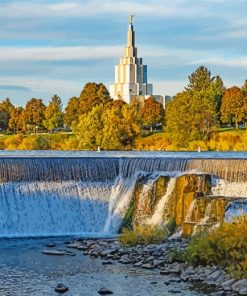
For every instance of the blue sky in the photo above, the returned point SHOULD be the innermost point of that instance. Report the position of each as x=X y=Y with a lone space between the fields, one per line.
x=49 y=47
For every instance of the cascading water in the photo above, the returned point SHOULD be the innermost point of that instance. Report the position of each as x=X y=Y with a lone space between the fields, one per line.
x=61 y=196
x=157 y=217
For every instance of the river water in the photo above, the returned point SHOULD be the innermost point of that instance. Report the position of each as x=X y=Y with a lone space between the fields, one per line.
x=25 y=271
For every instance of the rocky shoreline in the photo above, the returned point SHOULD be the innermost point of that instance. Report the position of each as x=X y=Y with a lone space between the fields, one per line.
x=161 y=257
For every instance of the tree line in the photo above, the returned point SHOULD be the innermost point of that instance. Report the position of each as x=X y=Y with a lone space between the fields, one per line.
x=205 y=105
x=96 y=119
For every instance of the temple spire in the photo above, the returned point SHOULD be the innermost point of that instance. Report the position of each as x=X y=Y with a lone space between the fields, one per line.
x=131 y=19
x=131 y=33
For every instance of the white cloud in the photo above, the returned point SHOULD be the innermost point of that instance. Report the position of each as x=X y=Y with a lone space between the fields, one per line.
x=168 y=87
x=58 y=53
x=32 y=9
x=64 y=6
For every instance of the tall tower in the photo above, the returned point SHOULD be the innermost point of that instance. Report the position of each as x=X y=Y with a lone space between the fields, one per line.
x=131 y=74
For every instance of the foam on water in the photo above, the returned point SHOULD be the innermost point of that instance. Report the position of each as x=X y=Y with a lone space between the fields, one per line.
x=63 y=195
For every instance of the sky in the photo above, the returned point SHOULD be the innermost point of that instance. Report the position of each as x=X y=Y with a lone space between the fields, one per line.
x=54 y=47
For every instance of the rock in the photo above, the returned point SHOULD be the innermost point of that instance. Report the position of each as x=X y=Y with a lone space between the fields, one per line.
x=50 y=245
x=239 y=285
x=215 y=278
x=243 y=292
x=220 y=293
x=105 y=291
x=106 y=263
x=108 y=251
x=82 y=248
x=124 y=259
x=138 y=264
x=74 y=245
x=165 y=272
x=61 y=288
x=147 y=266
x=57 y=253
x=227 y=284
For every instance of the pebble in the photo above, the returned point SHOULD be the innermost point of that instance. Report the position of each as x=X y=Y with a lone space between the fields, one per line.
x=61 y=288
x=104 y=291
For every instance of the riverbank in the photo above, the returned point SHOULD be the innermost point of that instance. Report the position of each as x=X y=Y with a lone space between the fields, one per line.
x=26 y=271
x=162 y=258
x=222 y=140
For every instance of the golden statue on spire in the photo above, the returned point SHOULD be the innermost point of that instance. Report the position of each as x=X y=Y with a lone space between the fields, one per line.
x=131 y=18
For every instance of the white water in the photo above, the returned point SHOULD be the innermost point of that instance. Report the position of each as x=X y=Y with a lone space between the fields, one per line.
x=119 y=202
x=61 y=196
x=157 y=217
x=227 y=188
x=53 y=208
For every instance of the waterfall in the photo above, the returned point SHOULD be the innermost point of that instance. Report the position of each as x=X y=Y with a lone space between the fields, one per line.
x=227 y=169
x=120 y=199
x=157 y=217
x=53 y=208
x=45 y=196
x=227 y=188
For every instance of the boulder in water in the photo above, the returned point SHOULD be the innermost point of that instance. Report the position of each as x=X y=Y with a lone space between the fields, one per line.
x=61 y=288
x=104 y=291
x=57 y=253
x=50 y=245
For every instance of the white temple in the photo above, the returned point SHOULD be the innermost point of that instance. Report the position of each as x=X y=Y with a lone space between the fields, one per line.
x=131 y=74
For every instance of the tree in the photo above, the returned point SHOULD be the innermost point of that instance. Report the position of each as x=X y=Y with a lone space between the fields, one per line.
x=200 y=80
x=88 y=129
x=152 y=113
x=189 y=116
x=110 y=127
x=244 y=87
x=53 y=114
x=120 y=128
x=6 y=108
x=15 y=121
x=215 y=93
x=92 y=95
x=72 y=111
x=33 y=114
x=234 y=106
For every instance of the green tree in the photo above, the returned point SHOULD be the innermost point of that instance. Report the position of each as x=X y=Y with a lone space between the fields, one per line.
x=110 y=127
x=234 y=106
x=244 y=87
x=15 y=121
x=53 y=114
x=93 y=94
x=33 y=114
x=89 y=127
x=6 y=108
x=152 y=113
x=72 y=111
x=120 y=128
x=189 y=116
x=200 y=80
x=215 y=93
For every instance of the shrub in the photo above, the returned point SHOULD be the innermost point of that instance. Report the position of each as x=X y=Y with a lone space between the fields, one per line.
x=143 y=235
x=195 y=145
x=226 y=247
x=171 y=225
x=13 y=142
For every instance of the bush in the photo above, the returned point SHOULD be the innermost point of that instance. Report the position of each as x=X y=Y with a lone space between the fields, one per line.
x=143 y=235
x=13 y=142
x=34 y=143
x=226 y=247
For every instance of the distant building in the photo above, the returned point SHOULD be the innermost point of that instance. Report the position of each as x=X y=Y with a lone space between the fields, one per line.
x=167 y=99
x=131 y=75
